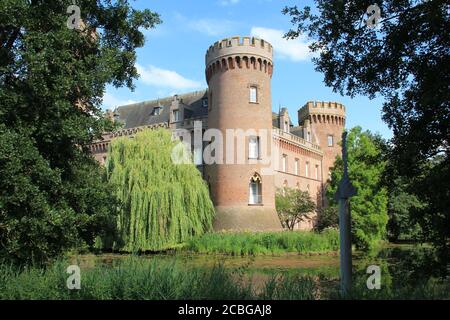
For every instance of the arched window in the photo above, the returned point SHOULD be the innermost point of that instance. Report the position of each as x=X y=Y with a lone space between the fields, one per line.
x=255 y=189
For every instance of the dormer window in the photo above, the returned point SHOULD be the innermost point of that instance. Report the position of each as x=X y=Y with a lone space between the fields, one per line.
x=205 y=102
x=156 y=111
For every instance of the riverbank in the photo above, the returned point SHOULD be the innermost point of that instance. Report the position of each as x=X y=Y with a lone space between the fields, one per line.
x=264 y=243
x=169 y=277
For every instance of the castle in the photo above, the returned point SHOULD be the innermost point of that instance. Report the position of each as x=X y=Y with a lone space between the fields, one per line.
x=238 y=72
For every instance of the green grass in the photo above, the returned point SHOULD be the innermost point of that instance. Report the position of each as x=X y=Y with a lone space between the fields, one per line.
x=143 y=279
x=264 y=243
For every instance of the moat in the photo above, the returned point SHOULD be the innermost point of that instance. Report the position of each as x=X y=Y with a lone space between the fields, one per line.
x=399 y=264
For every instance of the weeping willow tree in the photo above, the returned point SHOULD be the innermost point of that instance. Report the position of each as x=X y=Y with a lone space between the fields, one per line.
x=163 y=202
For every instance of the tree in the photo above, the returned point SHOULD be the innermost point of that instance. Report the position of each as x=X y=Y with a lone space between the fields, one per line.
x=328 y=217
x=365 y=168
x=52 y=80
x=406 y=60
x=401 y=205
x=163 y=203
x=292 y=206
x=431 y=188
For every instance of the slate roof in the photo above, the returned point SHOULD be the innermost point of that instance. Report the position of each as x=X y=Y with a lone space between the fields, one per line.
x=142 y=113
x=297 y=131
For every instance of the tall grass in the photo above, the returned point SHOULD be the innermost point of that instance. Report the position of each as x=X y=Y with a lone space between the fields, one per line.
x=143 y=279
x=139 y=279
x=267 y=243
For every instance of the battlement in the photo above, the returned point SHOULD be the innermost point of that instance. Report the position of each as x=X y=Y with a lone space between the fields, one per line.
x=322 y=111
x=251 y=46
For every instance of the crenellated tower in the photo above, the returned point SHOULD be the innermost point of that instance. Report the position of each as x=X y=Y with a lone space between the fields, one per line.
x=238 y=73
x=323 y=124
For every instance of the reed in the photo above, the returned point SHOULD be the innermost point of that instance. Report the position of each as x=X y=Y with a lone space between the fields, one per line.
x=155 y=279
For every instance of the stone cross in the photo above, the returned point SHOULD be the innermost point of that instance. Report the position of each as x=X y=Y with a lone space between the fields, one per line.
x=344 y=192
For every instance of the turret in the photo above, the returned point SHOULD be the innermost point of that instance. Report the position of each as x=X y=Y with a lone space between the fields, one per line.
x=324 y=123
x=239 y=72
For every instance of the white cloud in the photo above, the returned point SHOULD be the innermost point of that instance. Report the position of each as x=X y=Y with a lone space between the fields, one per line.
x=157 y=77
x=295 y=50
x=228 y=2
x=111 y=102
x=213 y=27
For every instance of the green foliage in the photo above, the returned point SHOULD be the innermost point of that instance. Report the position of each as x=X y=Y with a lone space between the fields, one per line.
x=405 y=60
x=163 y=203
x=369 y=206
x=293 y=205
x=51 y=82
x=264 y=243
x=328 y=217
x=41 y=214
x=402 y=204
x=431 y=189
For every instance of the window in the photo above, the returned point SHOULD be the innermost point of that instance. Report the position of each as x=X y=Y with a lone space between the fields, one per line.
x=307 y=169
x=308 y=136
x=317 y=171
x=330 y=141
x=156 y=111
x=255 y=190
x=253 y=148
x=286 y=126
x=176 y=115
x=253 y=95
x=284 y=163
x=296 y=167
x=205 y=102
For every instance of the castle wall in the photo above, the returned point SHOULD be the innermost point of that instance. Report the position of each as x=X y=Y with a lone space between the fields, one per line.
x=309 y=180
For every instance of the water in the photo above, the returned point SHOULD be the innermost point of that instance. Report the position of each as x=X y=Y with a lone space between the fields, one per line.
x=398 y=263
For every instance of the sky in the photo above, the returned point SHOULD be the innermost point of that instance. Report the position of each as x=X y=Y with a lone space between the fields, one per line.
x=172 y=60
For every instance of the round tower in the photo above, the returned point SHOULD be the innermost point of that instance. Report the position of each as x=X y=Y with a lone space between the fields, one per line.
x=324 y=123
x=238 y=73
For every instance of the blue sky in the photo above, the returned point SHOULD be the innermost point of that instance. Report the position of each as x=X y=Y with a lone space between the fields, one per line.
x=172 y=60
